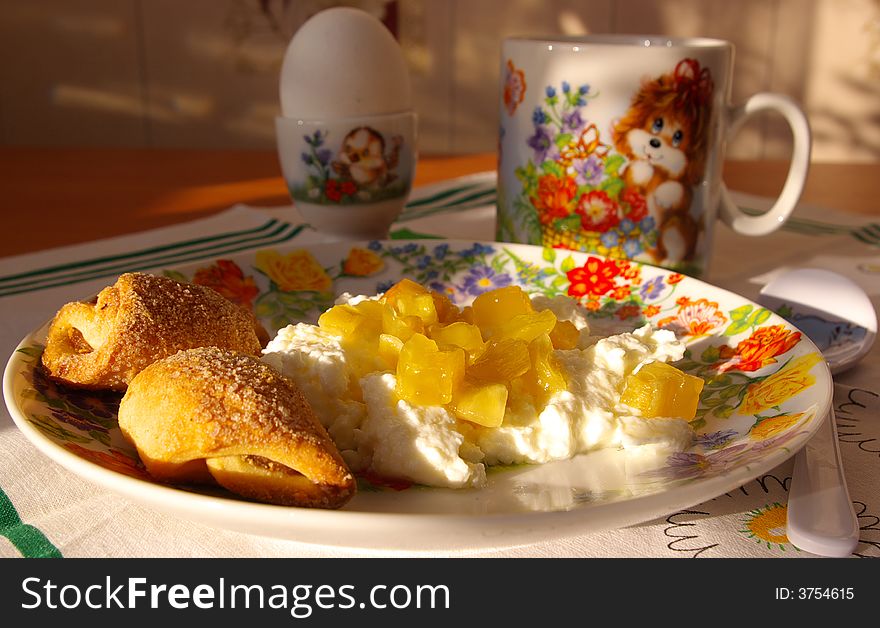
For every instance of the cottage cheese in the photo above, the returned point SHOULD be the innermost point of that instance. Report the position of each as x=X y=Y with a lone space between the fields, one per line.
x=377 y=432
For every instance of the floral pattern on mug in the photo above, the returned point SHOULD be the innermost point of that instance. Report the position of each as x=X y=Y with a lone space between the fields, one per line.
x=625 y=195
x=362 y=168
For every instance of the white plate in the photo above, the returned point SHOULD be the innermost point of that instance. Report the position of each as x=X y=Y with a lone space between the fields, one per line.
x=766 y=386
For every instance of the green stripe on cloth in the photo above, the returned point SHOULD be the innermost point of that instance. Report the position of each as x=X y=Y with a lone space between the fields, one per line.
x=164 y=259
x=278 y=237
x=409 y=234
x=440 y=195
x=26 y=538
x=149 y=251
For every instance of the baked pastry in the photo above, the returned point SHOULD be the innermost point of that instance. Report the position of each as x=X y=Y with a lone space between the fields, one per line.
x=140 y=319
x=212 y=415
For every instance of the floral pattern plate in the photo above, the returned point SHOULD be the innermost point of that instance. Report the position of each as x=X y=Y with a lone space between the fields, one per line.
x=767 y=389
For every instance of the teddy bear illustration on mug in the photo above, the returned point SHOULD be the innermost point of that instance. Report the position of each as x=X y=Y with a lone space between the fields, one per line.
x=664 y=135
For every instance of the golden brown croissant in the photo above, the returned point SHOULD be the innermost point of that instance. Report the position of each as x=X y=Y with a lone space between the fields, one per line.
x=210 y=414
x=140 y=319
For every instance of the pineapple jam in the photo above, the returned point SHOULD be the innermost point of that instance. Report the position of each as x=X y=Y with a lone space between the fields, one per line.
x=411 y=387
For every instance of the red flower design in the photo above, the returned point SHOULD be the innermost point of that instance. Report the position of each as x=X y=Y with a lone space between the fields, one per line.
x=759 y=349
x=638 y=206
x=598 y=211
x=622 y=292
x=627 y=311
x=674 y=278
x=651 y=310
x=227 y=278
x=595 y=277
x=348 y=188
x=555 y=197
x=332 y=190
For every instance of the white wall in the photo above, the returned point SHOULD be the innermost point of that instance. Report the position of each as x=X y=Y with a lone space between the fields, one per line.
x=203 y=73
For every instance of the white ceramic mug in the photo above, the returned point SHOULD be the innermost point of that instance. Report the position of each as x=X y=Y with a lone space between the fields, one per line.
x=614 y=145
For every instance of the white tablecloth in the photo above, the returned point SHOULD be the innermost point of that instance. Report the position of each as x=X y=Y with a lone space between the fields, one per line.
x=46 y=510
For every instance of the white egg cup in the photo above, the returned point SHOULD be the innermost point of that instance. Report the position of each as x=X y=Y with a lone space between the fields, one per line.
x=349 y=177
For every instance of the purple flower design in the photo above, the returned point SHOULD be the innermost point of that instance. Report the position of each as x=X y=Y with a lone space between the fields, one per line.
x=476 y=250
x=689 y=465
x=572 y=121
x=538 y=116
x=652 y=289
x=542 y=143
x=482 y=278
x=632 y=247
x=589 y=171
x=715 y=440
x=610 y=239
x=324 y=156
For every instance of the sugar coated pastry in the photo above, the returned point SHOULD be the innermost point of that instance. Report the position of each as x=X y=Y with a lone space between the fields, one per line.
x=138 y=320
x=212 y=415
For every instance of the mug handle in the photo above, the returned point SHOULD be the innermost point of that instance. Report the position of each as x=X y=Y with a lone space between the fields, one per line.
x=770 y=221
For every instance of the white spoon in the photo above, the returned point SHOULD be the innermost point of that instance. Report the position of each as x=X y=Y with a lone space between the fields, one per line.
x=838 y=317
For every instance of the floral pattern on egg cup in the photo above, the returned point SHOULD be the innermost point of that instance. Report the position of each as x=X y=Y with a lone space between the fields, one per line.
x=349 y=177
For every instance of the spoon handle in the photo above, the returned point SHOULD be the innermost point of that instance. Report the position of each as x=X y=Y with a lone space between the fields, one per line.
x=821 y=518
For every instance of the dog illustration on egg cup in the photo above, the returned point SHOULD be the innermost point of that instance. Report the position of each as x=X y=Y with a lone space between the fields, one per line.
x=362 y=158
x=664 y=136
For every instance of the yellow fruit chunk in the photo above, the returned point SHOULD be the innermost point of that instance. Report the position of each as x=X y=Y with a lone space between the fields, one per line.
x=661 y=390
x=467 y=314
x=370 y=308
x=483 y=404
x=401 y=326
x=547 y=376
x=360 y=322
x=498 y=306
x=420 y=305
x=411 y=299
x=447 y=312
x=427 y=375
x=341 y=320
x=403 y=288
x=565 y=335
x=526 y=326
x=389 y=350
x=501 y=361
x=459 y=334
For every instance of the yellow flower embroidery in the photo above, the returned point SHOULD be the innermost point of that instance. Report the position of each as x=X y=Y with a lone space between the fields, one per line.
x=767 y=525
x=362 y=263
x=298 y=270
x=782 y=385
x=768 y=428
